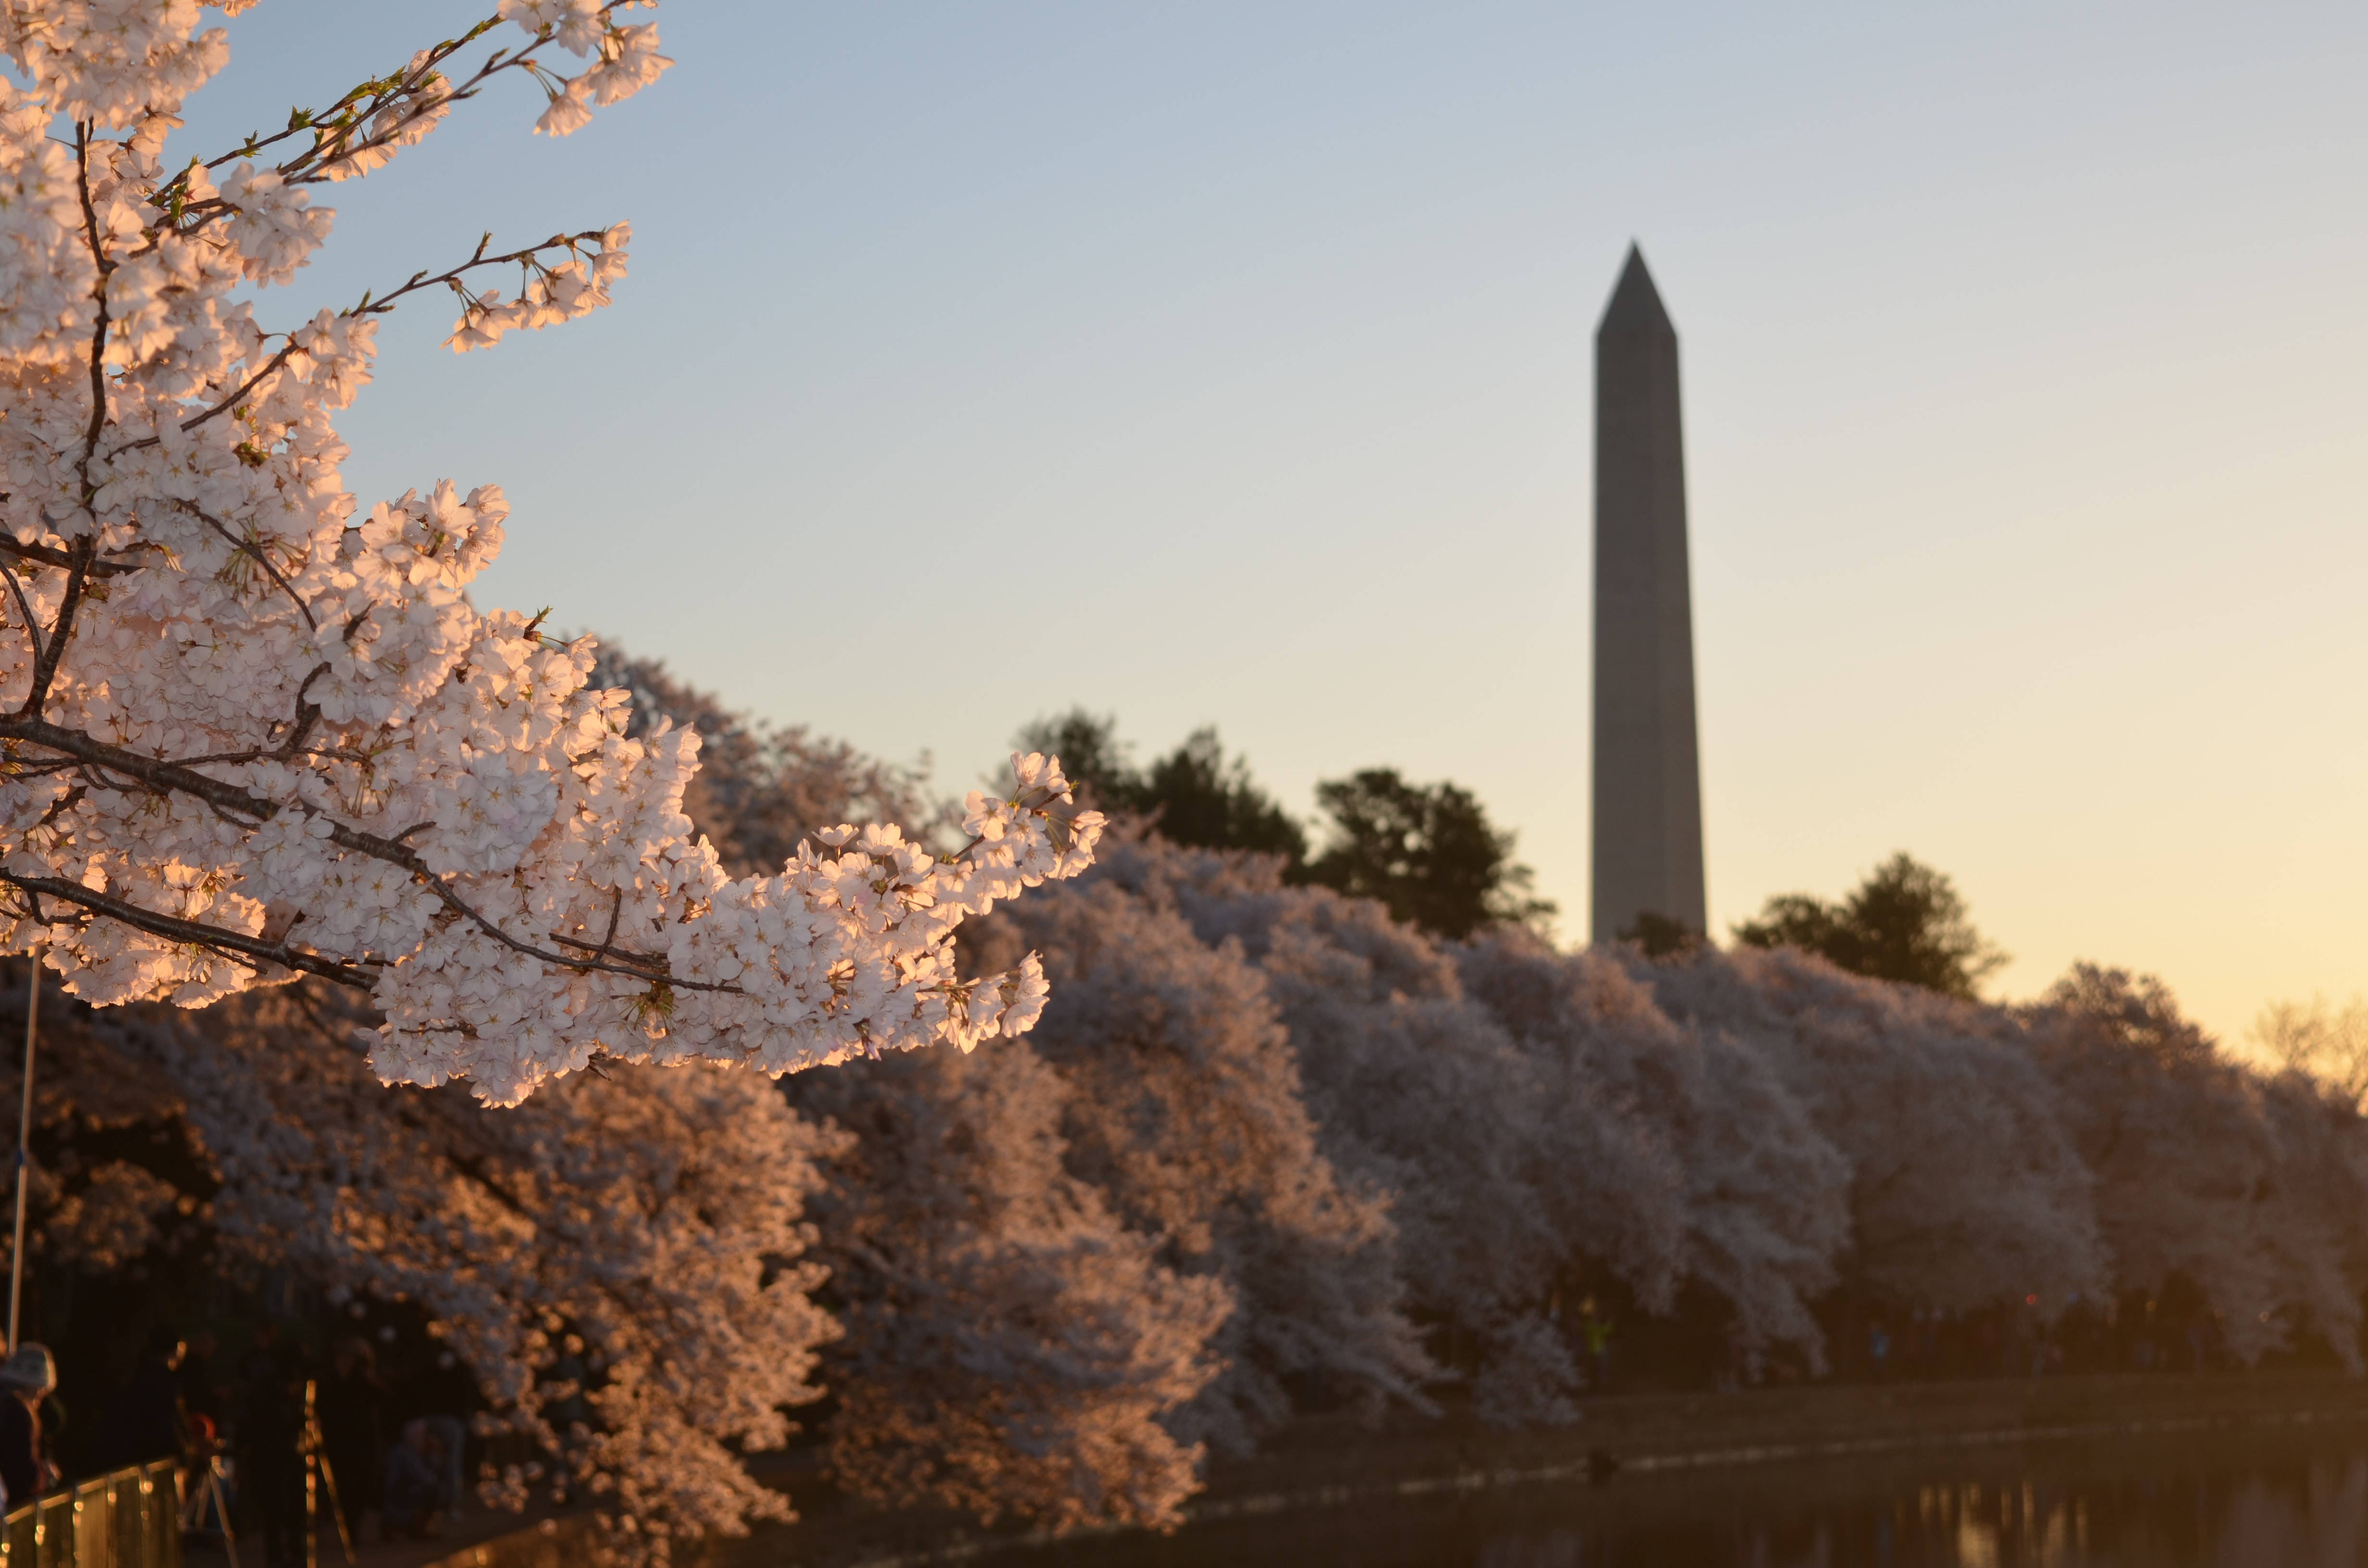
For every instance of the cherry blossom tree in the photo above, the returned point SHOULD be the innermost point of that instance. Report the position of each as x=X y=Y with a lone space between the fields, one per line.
x=252 y=729
x=1533 y=1115
x=1760 y=1202
x=1161 y=1109
x=1421 y=1095
x=648 y=1223
x=1965 y=1187
x=2318 y=1196
x=1186 y=1109
x=2249 y=1190
x=1009 y=1346
x=649 y=1219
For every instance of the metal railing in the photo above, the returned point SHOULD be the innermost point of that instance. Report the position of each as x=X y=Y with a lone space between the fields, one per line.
x=126 y=1519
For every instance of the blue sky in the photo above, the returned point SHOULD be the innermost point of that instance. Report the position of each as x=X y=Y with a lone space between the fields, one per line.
x=1231 y=364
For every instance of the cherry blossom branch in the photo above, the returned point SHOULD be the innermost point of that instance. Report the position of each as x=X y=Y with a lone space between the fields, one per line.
x=60 y=806
x=48 y=555
x=245 y=809
x=308 y=713
x=250 y=810
x=98 y=318
x=32 y=627
x=45 y=668
x=371 y=304
x=365 y=100
x=386 y=302
x=197 y=933
x=333 y=145
x=482 y=916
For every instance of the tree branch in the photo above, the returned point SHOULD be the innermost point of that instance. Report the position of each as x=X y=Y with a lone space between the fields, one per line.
x=98 y=318
x=231 y=944
x=369 y=306
x=32 y=627
x=166 y=777
x=45 y=669
x=46 y=556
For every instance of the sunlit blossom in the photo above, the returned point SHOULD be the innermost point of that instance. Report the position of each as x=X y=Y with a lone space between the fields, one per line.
x=258 y=727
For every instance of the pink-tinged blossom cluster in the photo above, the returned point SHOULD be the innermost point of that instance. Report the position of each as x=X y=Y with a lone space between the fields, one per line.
x=251 y=728
x=624 y=59
x=1010 y=1346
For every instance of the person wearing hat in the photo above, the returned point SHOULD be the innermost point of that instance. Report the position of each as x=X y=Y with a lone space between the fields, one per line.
x=25 y=1379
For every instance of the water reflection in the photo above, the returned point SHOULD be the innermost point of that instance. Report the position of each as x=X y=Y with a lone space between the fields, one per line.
x=2246 y=1500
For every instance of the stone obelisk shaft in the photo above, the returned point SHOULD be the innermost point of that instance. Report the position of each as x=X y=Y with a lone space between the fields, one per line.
x=1647 y=844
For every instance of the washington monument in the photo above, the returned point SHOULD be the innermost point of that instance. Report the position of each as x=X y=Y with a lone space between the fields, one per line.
x=1648 y=844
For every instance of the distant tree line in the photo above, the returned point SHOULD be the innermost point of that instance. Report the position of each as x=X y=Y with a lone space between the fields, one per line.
x=1431 y=856
x=1905 y=922
x=1427 y=852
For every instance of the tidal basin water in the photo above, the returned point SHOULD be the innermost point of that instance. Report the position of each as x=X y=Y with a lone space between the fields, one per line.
x=2263 y=1498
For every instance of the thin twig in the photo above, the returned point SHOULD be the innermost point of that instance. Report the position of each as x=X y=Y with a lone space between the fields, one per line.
x=369 y=306
x=308 y=712
x=255 y=551
x=32 y=627
x=363 y=103
x=616 y=908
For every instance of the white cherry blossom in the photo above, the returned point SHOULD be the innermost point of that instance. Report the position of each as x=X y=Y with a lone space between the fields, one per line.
x=250 y=727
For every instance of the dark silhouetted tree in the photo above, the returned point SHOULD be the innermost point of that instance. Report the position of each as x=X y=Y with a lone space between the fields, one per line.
x=1194 y=796
x=1206 y=803
x=1428 y=851
x=1092 y=756
x=1661 y=936
x=1905 y=922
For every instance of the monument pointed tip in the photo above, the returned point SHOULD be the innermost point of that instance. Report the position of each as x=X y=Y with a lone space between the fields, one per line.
x=1636 y=304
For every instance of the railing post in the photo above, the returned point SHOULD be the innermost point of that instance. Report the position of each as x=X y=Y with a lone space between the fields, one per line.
x=164 y=1517
x=311 y=1498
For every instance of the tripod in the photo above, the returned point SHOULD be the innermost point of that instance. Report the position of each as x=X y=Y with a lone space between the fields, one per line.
x=318 y=1478
x=209 y=1490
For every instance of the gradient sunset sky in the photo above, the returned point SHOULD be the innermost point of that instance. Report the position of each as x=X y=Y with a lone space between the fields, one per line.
x=1231 y=364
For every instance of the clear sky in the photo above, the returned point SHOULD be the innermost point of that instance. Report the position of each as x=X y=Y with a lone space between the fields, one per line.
x=1230 y=363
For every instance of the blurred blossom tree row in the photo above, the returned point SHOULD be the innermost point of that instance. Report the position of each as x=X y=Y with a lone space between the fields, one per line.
x=1269 y=1149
